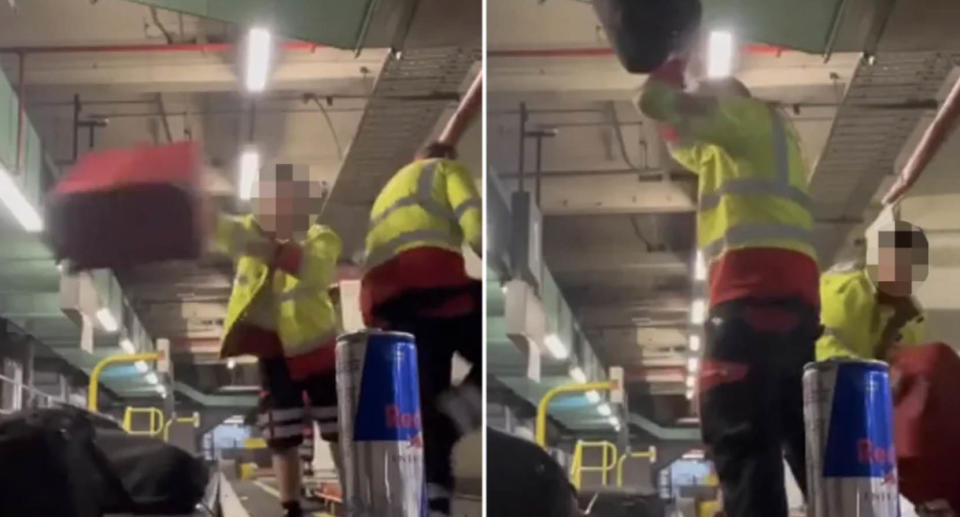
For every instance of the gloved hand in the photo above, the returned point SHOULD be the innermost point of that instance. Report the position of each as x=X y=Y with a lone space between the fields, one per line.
x=671 y=72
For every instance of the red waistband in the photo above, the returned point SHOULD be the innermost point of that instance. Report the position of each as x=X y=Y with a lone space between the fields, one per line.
x=417 y=269
x=764 y=274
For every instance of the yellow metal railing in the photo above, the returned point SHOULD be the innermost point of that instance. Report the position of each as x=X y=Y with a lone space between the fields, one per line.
x=94 y=390
x=650 y=454
x=156 y=420
x=559 y=390
x=608 y=462
x=195 y=420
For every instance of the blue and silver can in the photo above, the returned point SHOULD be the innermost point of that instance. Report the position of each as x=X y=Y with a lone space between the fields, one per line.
x=851 y=463
x=381 y=436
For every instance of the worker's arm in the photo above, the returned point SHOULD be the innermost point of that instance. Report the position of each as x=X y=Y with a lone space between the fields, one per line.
x=466 y=204
x=685 y=116
x=847 y=305
x=233 y=238
x=907 y=327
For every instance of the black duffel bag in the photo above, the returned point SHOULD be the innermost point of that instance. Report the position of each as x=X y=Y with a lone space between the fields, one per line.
x=644 y=33
x=66 y=462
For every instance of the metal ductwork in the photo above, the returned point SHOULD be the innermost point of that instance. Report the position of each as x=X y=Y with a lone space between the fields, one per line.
x=328 y=22
x=819 y=27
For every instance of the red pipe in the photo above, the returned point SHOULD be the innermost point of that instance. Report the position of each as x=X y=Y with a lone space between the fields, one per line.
x=932 y=139
x=21 y=111
x=213 y=48
x=602 y=52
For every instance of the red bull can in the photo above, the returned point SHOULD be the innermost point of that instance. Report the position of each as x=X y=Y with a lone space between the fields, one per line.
x=851 y=463
x=381 y=436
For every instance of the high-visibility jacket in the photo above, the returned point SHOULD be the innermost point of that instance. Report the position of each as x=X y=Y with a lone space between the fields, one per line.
x=855 y=323
x=753 y=190
x=429 y=203
x=297 y=306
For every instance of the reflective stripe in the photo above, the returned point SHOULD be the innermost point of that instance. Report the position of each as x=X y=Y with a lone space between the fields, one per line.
x=386 y=251
x=323 y=413
x=466 y=205
x=423 y=198
x=754 y=186
x=282 y=431
x=745 y=233
x=328 y=427
x=427 y=175
x=435 y=491
x=780 y=150
x=281 y=415
x=241 y=280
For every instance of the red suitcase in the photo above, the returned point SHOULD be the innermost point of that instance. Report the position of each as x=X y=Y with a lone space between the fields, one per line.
x=927 y=423
x=125 y=207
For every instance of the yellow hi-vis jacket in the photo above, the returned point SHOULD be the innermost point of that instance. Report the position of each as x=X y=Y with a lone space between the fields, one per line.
x=855 y=323
x=429 y=203
x=753 y=190
x=296 y=306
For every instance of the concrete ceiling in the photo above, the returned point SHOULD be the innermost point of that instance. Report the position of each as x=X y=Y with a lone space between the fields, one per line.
x=315 y=103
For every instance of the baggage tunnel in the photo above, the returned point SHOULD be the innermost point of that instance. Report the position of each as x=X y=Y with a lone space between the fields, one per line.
x=592 y=268
x=353 y=89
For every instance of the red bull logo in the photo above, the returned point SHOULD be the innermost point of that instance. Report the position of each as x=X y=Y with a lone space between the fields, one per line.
x=869 y=453
x=417 y=441
x=397 y=419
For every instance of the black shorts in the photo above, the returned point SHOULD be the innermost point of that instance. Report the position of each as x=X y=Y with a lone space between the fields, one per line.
x=287 y=407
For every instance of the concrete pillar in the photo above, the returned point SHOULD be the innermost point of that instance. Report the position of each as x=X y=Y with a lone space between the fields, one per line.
x=29 y=352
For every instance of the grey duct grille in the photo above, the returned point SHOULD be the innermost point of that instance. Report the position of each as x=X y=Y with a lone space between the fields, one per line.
x=883 y=105
x=410 y=96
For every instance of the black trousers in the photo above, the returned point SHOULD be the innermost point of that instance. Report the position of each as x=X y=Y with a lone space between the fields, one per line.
x=437 y=340
x=751 y=400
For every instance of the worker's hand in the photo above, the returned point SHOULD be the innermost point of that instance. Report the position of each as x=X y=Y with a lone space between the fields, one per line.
x=671 y=72
x=437 y=150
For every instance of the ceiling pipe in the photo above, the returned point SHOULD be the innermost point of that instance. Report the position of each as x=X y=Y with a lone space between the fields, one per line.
x=755 y=49
x=212 y=48
x=21 y=110
x=942 y=125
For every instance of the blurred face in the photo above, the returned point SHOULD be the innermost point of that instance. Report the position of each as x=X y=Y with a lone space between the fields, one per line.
x=902 y=260
x=286 y=200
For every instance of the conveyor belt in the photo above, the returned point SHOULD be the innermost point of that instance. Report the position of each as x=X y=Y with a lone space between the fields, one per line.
x=260 y=499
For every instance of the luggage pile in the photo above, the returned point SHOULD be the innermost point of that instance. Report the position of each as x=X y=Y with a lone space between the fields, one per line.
x=66 y=462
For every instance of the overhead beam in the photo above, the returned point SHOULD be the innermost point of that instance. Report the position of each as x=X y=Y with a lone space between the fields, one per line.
x=585 y=78
x=37 y=305
x=607 y=194
x=642 y=307
x=573 y=261
x=199 y=72
x=185 y=310
x=651 y=335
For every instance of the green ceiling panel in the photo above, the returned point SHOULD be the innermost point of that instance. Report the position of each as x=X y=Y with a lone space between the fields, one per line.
x=816 y=26
x=337 y=23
